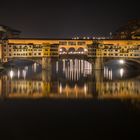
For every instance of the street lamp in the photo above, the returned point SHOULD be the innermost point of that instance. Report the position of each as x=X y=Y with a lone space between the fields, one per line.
x=85 y=50
x=121 y=62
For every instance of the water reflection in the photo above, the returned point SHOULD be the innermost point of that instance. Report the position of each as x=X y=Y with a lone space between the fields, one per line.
x=108 y=73
x=11 y=73
x=121 y=72
x=74 y=69
x=18 y=73
x=69 y=79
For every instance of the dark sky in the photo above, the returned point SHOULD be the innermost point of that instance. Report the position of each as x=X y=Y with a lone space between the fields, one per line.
x=66 y=19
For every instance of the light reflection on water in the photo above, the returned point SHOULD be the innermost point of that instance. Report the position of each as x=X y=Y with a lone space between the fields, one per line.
x=74 y=69
x=70 y=79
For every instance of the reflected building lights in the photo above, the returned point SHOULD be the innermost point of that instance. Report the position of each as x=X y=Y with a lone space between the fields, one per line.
x=11 y=73
x=82 y=66
x=18 y=73
x=108 y=73
x=26 y=68
x=105 y=72
x=74 y=69
x=85 y=89
x=24 y=74
x=70 y=83
x=63 y=65
x=60 y=88
x=121 y=71
x=75 y=91
x=35 y=67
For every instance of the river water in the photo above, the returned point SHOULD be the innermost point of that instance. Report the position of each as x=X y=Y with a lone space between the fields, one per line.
x=70 y=79
x=69 y=93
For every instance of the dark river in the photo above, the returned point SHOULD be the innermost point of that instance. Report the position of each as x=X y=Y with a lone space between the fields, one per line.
x=69 y=99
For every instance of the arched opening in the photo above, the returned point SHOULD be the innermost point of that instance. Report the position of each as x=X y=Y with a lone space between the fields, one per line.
x=62 y=51
x=71 y=51
x=80 y=51
x=115 y=63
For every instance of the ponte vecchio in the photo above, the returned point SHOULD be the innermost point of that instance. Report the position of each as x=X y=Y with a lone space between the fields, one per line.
x=95 y=51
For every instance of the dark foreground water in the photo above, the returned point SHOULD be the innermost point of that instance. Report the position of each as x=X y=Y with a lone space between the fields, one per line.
x=69 y=100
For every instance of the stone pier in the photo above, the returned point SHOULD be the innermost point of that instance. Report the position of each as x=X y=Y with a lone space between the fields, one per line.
x=46 y=63
x=46 y=78
x=98 y=65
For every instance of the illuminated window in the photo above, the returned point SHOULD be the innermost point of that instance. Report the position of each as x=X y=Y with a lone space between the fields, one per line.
x=71 y=43
x=62 y=43
x=81 y=43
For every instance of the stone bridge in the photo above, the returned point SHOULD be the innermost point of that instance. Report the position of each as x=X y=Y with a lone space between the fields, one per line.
x=96 y=51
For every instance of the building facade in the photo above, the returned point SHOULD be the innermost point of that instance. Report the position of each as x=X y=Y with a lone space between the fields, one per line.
x=30 y=49
x=115 y=48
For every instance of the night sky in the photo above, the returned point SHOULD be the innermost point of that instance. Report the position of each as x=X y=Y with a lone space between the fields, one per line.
x=66 y=19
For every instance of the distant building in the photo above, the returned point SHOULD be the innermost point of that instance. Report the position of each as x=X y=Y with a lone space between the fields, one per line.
x=129 y=31
x=8 y=32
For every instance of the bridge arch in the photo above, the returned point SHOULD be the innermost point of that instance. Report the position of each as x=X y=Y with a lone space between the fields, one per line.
x=80 y=50
x=63 y=50
x=71 y=50
x=135 y=60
